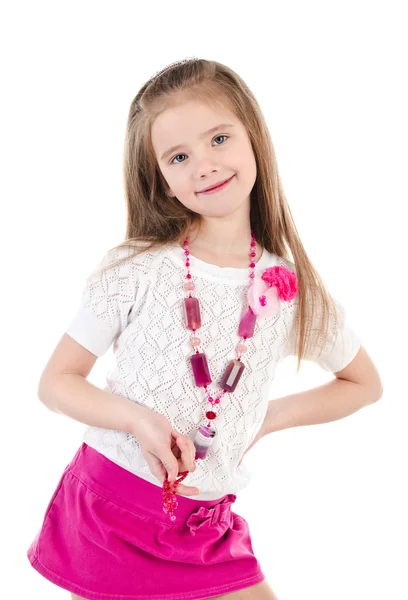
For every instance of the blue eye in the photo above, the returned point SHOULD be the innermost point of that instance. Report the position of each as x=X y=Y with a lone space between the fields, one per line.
x=178 y=163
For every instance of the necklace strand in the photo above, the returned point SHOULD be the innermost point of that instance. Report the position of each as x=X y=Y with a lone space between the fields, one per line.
x=192 y=319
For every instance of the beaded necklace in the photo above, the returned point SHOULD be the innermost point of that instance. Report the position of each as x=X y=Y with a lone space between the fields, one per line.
x=192 y=319
x=263 y=300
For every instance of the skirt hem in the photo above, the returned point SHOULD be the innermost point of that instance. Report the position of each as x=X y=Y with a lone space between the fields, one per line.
x=196 y=595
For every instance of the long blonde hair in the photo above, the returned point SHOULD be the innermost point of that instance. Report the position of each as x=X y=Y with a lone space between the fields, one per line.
x=156 y=219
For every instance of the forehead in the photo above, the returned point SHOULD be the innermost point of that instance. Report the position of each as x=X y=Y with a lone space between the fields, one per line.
x=187 y=122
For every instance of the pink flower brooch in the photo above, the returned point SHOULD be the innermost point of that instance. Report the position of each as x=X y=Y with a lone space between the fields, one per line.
x=264 y=293
x=263 y=296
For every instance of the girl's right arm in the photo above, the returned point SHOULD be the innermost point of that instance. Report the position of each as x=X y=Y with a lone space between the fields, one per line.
x=64 y=389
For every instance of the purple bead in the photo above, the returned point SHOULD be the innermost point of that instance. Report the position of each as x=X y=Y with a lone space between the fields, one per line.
x=191 y=311
x=200 y=369
x=247 y=324
x=203 y=441
x=232 y=375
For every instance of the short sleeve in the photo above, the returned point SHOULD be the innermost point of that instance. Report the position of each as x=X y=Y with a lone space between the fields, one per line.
x=340 y=348
x=106 y=301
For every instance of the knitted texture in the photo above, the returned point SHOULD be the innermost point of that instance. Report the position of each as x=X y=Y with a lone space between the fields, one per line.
x=137 y=307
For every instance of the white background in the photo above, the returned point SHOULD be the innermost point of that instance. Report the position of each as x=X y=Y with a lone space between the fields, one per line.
x=327 y=503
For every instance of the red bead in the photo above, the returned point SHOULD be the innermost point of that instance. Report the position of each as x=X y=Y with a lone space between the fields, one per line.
x=210 y=415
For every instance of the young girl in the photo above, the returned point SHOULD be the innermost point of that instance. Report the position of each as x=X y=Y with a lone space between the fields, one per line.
x=201 y=303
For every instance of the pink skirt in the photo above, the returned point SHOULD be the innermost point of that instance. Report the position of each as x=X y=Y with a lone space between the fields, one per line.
x=105 y=536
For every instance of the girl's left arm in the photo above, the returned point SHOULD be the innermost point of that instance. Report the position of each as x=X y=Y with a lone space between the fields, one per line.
x=355 y=386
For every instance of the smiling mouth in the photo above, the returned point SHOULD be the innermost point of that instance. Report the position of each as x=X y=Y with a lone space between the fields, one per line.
x=218 y=188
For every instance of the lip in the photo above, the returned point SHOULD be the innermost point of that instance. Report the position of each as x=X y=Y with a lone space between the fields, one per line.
x=217 y=187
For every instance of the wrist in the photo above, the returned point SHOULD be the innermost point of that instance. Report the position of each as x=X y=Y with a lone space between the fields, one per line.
x=134 y=417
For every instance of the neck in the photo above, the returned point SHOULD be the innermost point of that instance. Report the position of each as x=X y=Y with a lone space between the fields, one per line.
x=224 y=251
x=221 y=239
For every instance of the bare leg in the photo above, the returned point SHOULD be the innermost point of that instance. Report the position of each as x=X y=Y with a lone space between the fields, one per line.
x=260 y=591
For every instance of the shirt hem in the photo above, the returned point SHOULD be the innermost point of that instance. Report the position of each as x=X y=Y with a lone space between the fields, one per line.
x=203 y=495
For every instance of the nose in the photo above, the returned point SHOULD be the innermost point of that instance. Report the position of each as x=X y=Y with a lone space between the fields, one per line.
x=205 y=162
x=204 y=172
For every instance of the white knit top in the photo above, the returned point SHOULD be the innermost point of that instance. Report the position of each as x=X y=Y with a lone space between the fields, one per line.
x=137 y=307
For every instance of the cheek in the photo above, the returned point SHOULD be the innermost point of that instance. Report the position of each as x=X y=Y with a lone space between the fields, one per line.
x=182 y=184
x=183 y=187
x=244 y=158
x=175 y=182
x=245 y=167
x=250 y=165
x=184 y=190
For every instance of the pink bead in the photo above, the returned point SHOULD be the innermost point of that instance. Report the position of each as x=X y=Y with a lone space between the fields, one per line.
x=242 y=348
x=189 y=286
x=247 y=324
x=232 y=375
x=195 y=341
x=191 y=311
x=200 y=369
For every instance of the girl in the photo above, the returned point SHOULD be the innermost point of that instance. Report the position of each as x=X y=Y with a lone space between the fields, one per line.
x=201 y=303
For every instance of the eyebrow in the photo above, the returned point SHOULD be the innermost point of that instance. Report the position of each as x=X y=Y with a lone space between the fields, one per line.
x=174 y=148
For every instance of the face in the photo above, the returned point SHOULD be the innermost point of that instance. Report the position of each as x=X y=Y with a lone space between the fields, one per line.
x=203 y=159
